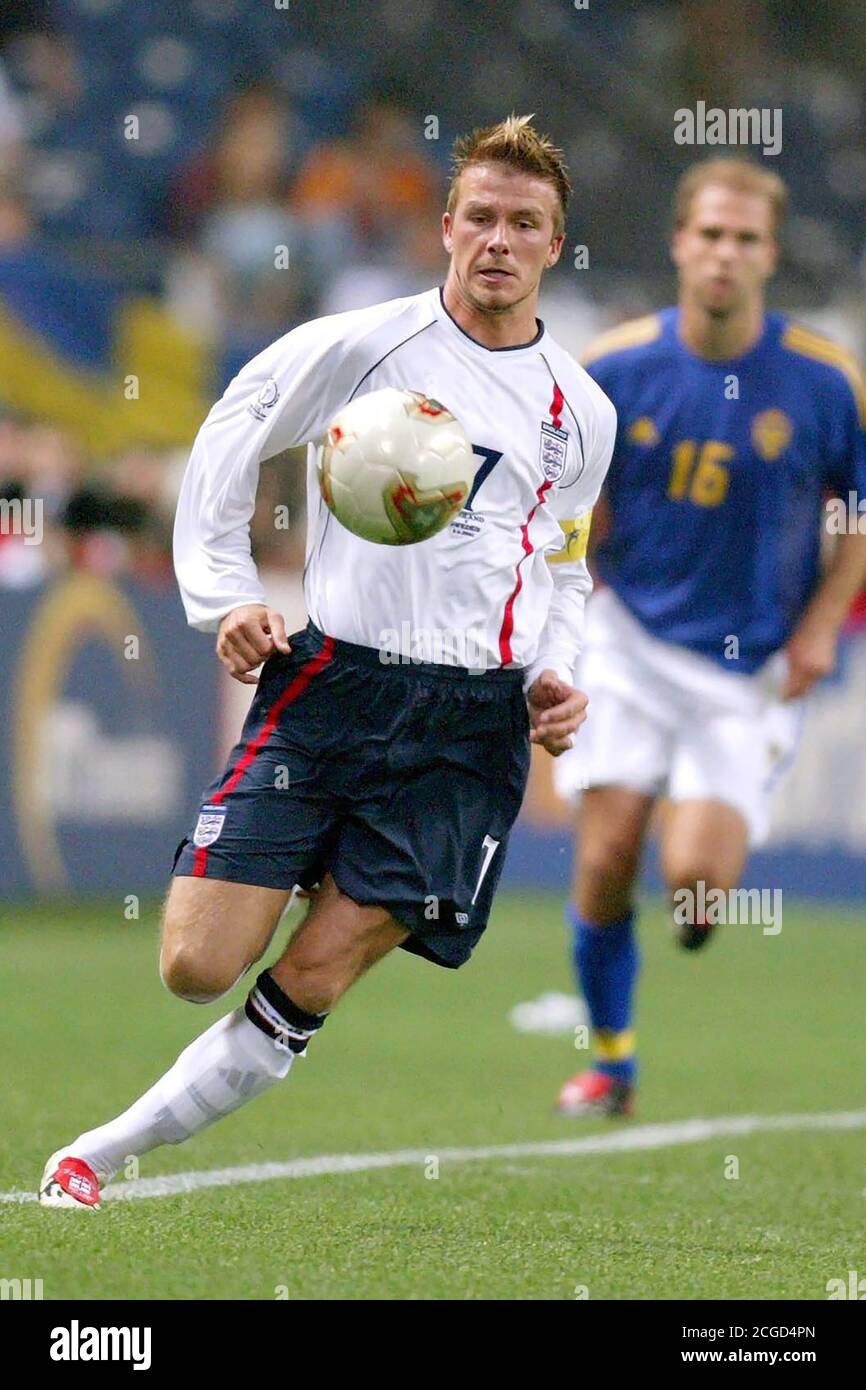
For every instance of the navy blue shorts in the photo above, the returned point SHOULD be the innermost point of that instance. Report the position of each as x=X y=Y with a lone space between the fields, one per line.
x=403 y=781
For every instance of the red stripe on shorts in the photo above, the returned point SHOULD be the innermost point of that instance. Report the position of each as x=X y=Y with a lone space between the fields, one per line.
x=254 y=747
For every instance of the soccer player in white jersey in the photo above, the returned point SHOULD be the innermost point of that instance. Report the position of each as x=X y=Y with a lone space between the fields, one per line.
x=717 y=617
x=403 y=779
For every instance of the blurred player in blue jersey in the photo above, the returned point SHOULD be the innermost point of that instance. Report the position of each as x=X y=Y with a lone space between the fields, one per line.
x=715 y=613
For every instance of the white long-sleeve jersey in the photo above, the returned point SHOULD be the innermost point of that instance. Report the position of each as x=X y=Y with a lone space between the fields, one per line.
x=509 y=570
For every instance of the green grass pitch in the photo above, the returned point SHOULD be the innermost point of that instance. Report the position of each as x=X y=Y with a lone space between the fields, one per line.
x=425 y=1059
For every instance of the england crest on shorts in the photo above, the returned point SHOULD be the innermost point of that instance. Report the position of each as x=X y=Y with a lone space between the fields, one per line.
x=209 y=825
x=554 y=452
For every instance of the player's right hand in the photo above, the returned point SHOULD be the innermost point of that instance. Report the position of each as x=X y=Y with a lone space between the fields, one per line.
x=248 y=636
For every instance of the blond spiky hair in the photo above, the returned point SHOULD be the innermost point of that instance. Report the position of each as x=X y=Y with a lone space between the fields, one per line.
x=517 y=143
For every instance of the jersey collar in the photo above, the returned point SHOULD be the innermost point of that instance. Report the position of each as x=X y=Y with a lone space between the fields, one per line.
x=530 y=348
x=726 y=363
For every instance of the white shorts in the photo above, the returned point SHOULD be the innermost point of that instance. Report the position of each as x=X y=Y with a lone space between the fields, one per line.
x=669 y=722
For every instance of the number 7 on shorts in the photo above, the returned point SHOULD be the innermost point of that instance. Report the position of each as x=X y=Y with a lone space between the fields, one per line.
x=490 y=848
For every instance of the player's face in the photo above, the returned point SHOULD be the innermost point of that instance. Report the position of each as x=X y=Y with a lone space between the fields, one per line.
x=726 y=250
x=501 y=236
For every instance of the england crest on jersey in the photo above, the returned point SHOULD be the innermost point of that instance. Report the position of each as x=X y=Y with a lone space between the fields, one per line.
x=554 y=452
x=209 y=826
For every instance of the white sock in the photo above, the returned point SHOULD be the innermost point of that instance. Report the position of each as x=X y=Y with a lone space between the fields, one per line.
x=230 y=1064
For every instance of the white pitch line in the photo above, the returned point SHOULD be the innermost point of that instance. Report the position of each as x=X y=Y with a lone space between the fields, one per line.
x=632 y=1140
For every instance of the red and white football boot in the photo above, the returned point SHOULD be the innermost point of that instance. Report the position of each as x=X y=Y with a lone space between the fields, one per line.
x=69 y=1182
x=594 y=1093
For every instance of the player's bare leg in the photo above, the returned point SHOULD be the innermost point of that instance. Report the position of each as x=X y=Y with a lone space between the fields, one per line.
x=611 y=832
x=703 y=842
x=245 y=1052
x=212 y=932
x=335 y=944
x=612 y=825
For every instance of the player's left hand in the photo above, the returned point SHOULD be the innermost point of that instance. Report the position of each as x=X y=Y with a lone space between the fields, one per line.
x=811 y=655
x=556 y=710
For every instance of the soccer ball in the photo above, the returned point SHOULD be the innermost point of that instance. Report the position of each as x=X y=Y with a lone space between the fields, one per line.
x=395 y=467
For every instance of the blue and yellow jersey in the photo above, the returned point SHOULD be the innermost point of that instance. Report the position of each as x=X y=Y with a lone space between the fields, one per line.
x=718 y=479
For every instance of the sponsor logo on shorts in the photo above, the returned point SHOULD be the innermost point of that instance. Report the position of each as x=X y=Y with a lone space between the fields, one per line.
x=209 y=826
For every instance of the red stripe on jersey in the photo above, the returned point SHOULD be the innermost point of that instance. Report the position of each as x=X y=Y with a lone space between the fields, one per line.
x=507 y=628
x=291 y=693
x=556 y=407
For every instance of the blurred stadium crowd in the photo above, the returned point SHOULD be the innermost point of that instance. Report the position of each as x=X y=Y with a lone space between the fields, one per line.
x=180 y=185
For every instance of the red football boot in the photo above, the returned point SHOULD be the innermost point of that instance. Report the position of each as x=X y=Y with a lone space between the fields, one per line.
x=595 y=1093
x=69 y=1182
